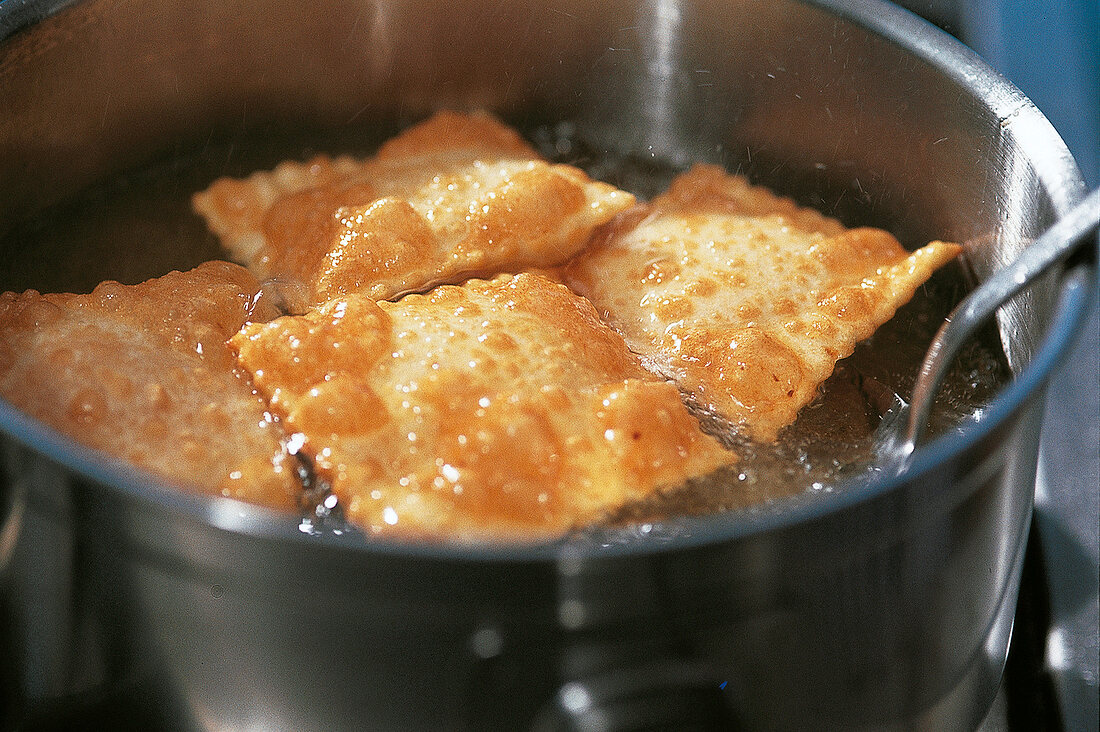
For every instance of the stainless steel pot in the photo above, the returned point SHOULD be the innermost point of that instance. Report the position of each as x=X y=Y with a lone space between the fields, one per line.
x=880 y=605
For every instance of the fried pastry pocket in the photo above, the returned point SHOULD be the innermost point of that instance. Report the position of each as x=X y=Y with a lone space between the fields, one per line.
x=456 y=196
x=143 y=372
x=742 y=297
x=498 y=409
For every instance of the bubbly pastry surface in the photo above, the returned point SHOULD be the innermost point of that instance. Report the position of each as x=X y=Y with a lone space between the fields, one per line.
x=143 y=372
x=497 y=409
x=455 y=196
x=742 y=297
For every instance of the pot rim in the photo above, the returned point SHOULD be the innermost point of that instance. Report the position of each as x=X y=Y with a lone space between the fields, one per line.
x=1055 y=169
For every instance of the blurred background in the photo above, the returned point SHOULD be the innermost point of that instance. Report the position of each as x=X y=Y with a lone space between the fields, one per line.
x=1051 y=50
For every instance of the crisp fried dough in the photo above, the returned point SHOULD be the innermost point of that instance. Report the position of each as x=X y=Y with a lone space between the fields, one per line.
x=500 y=408
x=455 y=196
x=143 y=372
x=745 y=299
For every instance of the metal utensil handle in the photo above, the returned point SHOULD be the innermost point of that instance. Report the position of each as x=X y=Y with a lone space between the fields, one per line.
x=1060 y=240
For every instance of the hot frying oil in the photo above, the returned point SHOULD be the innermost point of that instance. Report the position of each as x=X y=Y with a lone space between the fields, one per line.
x=140 y=225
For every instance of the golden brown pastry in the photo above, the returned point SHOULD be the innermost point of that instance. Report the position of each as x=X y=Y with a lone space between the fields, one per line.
x=143 y=372
x=498 y=409
x=456 y=196
x=745 y=299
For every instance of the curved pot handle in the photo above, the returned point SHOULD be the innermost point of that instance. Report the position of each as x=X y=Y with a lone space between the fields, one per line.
x=904 y=425
x=1074 y=230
